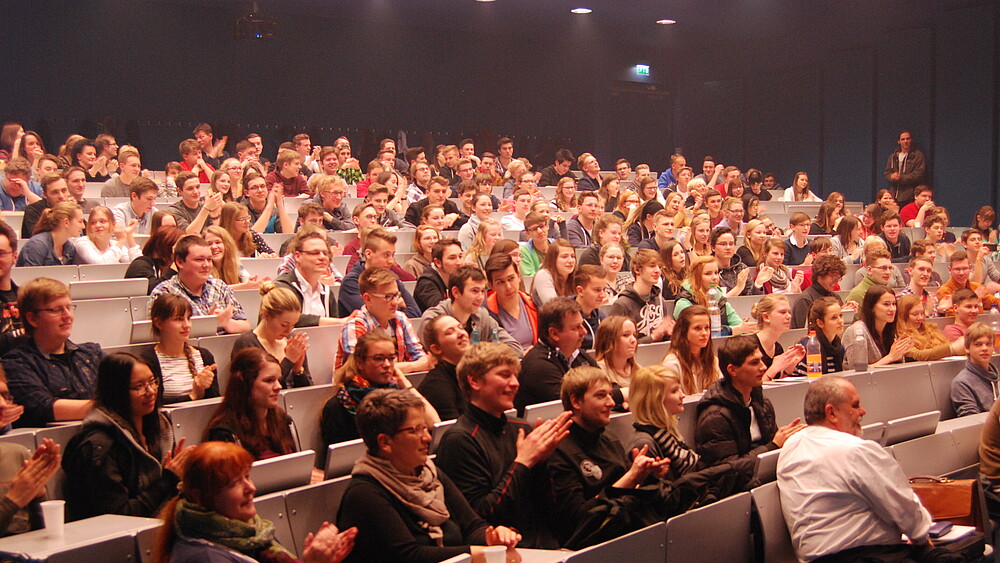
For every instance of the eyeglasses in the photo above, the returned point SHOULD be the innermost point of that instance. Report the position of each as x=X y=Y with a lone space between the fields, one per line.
x=881 y=268
x=315 y=252
x=59 y=310
x=148 y=386
x=381 y=358
x=242 y=219
x=415 y=430
x=337 y=192
x=257 y=188
x=387 y=296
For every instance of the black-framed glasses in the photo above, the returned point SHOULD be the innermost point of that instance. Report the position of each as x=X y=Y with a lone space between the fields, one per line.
x=151 y=385
x=381 y=358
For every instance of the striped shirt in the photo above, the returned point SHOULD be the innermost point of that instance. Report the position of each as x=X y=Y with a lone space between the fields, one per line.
x=177 y=377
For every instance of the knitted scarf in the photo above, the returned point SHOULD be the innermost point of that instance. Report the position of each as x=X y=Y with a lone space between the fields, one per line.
x=254 y=538
x=779 y=279
x=422 y=494
x=355 y=389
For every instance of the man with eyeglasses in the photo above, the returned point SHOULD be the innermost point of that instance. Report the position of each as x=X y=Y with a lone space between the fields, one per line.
x=52 y=377
x=533 y=250
x=464 y=171
x=380 y=293
x=960 y=269
x=379 y=252
x=623 y=169
x=306 y=279
x=558 y=170
x=330 y=192
x=880 y=270
x=208 y=295
x=420 y=175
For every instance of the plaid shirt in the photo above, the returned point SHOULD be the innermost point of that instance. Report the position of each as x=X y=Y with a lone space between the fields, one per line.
x=408 y=347
x=215 y=294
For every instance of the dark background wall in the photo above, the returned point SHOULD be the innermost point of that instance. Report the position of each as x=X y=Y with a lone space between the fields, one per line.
x=782 y=85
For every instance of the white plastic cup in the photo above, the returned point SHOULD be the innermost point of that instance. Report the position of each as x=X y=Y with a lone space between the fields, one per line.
x=496 y=554
x=54 y=514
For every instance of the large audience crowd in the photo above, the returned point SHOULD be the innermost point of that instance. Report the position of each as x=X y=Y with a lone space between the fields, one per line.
x=602 y=262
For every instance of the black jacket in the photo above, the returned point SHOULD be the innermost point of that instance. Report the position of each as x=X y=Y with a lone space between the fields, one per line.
x=108 y=472
x=542 y=370
x=430 y=289
x=290 y=281
x=478 y=454
x=800 y=311
x=149 y=356
x=414 y=211
x=440 y=388
x=722 y=433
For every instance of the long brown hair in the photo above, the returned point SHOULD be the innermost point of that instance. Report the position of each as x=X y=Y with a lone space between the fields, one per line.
x=169 y=306
x=697 y=372
x=565 y=286
x=230 y=270
x=605 y=342
x=673 y=278
x=236 y=410
x=227 y=220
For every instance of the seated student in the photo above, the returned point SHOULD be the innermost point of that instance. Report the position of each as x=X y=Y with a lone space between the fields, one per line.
x=614 y=350
x=773 y=276
x=190 y=213
x=508 y=303
x=691 y=355
x=735 y=420
x=56 y=191
x=15 y=190
x=960 y=269
x=265 y=205
x=12 y=325
x=194 y=282
x=588 y=463
x=235 y=219
x=447 y=340
x=555 y=278
x=424 y=240
x=848 y=244
x=704 y=275
x=914 y=213
x=752 y=251
x=279 y=314
x=157 y=261
x=379 y=252
x=642 y=302
x=437 y=194
x=975 y=389
x=967 y=308
x=819 y=246
x=226 y=263
x=49 y=375
x=872 y=338
x=927 y=249
x=797 y=245
x=935 y=228
x=380 y=297
x=919 y=273
x=773 y=315
x=560 y=329
x=497 y=463
x=675 y=268
x=482 y=207
x=124 y=460
x=928 y=342
x=580 y=227
x=371 y=367
x=310 y=276
x=184 y=372
x=826 y=317
x=895 y=239
x=731 y=277
x=105 y=241
x=639 y=224
x=826 y=218
x=249 y=414
x=364 y=217
x=874 y=245
x=140 y=206
x=536 y=247
x=395 y=470
x=656 y=400
x=52 y=243
x=466 y=294
x=214 y=519
x=590 y=282
x=432 y=285
x=379 y=195
x=878 y=263
x=607 y=230
x=984 y=269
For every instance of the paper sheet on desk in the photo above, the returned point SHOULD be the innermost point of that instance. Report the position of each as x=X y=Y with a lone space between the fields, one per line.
x=956 y=532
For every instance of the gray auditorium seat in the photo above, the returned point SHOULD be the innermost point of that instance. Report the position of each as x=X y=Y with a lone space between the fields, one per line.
x=776 y=541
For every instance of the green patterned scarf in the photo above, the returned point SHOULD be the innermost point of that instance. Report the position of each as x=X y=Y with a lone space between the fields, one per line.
x=254 y=538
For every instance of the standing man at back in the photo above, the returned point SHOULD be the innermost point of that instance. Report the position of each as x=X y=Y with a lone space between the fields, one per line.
x=905 y=169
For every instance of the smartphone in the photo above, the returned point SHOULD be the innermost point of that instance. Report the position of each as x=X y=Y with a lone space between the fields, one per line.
x=939 y=529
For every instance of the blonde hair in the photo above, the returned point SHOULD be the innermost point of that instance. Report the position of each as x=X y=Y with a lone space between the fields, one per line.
x=646 y=393
x=758 y=254
x=765 y=306
x=560 y=201
x=478 y=247
x=695 y=278
x=53 y=216
x=230 y=270
x=275 y=300
x=419 y=234
x=927 y=336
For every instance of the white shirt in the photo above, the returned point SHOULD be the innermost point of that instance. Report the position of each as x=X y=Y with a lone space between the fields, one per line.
x=789 y=195
x=312 y=300
x=87 y=252
x=511 y=223
x=839 y=491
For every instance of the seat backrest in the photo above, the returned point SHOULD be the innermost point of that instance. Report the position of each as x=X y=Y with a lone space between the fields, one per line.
x=651 y=354
x=105 y=321
x=283 y=472
x=24 y=274
x=647 y=544
x=21 y=436
x=308 y=507
x=324 y=341
x=272 y=507
x=545 y=411
x=61 y=435
x=190 y=419
x=305 y=406
x=140 y=307
x=264 y=267
x=621 y=428
x=340 y=457
x=249 y=299
x=967 y=444
x=729 y=521
x=913 y=455
x=942 y=373
x=221 y=347
x=776 y=542
x=119 y=548
x=787 y=399
x=438 y=432
x=899 y=391
x=90 y=272
x=910 y=427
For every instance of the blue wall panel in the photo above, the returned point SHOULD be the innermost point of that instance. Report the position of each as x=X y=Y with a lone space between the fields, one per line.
x=848 y=113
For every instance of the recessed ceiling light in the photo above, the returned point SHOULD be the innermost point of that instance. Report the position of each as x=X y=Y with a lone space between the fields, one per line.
x=666 y=22
x=581 y=10
x=484 y=0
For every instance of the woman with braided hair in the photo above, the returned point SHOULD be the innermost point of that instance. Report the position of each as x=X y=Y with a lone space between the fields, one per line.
x=185 y=372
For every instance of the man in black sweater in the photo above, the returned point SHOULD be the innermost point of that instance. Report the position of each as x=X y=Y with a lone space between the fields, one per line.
x=432 y=285
x=498 y=463
x=560 y=336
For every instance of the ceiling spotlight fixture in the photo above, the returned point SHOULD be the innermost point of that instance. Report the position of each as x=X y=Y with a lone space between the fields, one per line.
x=666 y=22
x=484 y=0
x=581 y=10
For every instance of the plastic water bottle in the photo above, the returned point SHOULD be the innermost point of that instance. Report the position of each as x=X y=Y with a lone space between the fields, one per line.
x=714 y=312
x=995 y=325
x=495 y=337
x=814 y=356
x=474 y=337
x=861 y=364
